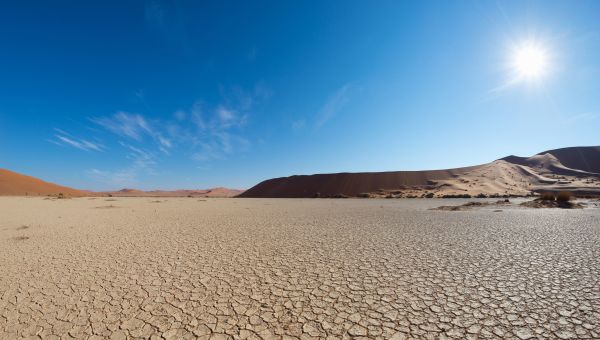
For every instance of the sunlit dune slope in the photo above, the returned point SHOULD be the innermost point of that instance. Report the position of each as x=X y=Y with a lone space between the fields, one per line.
x=15 y=184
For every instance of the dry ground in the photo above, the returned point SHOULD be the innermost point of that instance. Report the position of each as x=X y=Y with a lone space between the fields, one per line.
x=268 y=268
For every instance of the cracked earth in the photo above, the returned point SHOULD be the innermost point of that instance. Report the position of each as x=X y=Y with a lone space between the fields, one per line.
x=295 y=269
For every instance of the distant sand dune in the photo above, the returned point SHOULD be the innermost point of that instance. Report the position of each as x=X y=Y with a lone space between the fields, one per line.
x=15 y=184
x=214 y=192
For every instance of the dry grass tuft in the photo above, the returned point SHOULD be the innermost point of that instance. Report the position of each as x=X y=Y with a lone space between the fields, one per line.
x=564 y=196
x=547 y=196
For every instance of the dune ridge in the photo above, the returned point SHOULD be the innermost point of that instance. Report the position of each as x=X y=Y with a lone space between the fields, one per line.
x=574 y=169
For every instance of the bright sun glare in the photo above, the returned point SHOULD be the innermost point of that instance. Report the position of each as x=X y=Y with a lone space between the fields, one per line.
x=530 y=61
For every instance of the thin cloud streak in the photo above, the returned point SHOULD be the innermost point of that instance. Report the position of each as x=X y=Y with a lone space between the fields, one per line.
x=333 y=106
x=134 y=126
x=81 y=144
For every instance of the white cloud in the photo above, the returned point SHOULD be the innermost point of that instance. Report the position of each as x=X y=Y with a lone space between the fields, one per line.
x=226 y=116
x=134 y=126
x=115 y=179
x=125 y=124
x=203 y=133
x=142 y=162
x=335 y=103
x=82 y=144
x=142 y=159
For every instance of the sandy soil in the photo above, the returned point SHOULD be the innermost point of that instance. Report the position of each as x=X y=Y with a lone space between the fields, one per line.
x=260 y=268
x=214 y=192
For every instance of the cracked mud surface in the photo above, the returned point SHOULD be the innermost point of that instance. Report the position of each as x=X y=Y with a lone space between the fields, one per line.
x=259 y=268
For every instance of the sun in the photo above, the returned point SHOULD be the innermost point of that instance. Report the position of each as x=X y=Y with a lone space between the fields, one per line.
x=530 y=61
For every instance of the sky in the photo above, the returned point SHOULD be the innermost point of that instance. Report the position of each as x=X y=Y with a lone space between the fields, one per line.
x=189 y=94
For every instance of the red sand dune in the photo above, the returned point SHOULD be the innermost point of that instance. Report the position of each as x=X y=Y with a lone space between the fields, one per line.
x=15 y=184
x=575 y=169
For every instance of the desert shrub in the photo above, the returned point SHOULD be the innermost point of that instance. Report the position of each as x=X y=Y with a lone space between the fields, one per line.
x=364 y=195
x=564 y=196
x=456 y=196
x=481 y=195
x=429 y=195
x=547 y=196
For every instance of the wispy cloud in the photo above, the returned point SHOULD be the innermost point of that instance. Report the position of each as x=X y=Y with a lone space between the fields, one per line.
x=125 y=124
x=66 y=139
x=134 y=126
x=201 y=133
x=142 y=159
x=142 y=162
x=220 y=146
x=335 y=103
x=115 y=179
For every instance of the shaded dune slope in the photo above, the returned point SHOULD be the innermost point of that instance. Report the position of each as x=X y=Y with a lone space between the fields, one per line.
x=580 y=158
x=349 y=184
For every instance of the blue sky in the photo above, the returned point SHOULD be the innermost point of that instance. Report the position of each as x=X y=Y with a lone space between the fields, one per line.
x=181 y=94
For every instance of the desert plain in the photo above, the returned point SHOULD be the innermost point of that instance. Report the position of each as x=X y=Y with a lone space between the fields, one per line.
x=185 y=268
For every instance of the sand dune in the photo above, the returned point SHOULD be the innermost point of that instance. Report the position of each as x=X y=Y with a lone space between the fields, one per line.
x=580 y=158
x=350 y=184
x=575 y=169
x=15 y=184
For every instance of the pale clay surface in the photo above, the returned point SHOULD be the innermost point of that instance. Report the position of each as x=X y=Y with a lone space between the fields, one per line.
x=272 y=269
